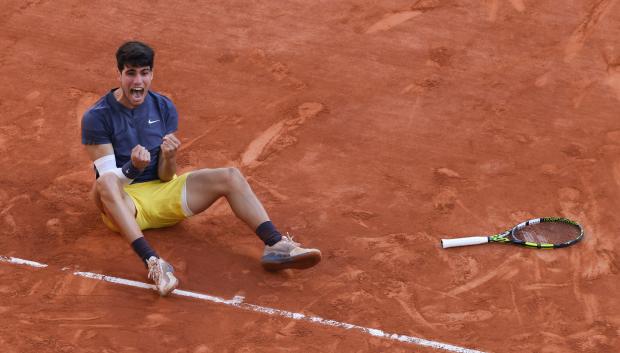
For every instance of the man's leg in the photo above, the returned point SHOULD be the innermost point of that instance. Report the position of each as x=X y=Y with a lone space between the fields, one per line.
x=111 y=198
x=205 y=186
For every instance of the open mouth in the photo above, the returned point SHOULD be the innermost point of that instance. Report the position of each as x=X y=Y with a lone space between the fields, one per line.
x=136 y=93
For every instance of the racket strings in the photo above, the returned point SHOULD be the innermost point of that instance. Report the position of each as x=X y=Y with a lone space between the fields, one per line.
x=548 y=233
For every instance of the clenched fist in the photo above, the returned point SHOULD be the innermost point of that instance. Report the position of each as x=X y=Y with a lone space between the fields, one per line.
x=140 y=157
x=169 y=147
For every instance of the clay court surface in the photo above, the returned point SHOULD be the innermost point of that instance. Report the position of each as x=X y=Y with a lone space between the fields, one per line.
x=369 y=129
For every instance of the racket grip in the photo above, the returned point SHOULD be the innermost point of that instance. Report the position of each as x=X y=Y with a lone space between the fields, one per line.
x=451 y=243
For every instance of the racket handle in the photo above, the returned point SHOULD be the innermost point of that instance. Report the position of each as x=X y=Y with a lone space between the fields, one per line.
x=450 y=243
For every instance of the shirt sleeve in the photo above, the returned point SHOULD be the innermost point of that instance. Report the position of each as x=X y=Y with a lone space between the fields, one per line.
x=94 y=131
x=172 y=117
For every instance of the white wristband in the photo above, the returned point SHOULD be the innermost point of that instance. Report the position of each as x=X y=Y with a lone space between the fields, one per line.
x=107 y=164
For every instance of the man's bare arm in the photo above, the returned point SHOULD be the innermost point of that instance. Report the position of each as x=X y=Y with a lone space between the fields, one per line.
x=97 y=151
x=167 y=164
x=103 y=157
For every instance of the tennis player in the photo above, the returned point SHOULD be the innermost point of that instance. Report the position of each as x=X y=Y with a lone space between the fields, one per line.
x=129 y=134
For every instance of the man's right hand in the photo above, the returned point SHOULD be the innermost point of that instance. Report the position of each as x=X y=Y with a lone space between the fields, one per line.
x=140 y=157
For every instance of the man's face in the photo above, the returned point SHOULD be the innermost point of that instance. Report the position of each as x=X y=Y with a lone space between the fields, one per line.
x=135 y=83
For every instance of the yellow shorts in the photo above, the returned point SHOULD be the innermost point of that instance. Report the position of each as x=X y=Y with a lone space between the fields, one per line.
x=158 y=204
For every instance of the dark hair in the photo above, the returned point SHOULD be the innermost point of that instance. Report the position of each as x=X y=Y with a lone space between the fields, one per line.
x=136 y=54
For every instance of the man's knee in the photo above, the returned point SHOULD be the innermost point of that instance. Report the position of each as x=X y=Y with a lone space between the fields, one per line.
x=226 y=179
x=234 y=174
x=234 y=178
x=220 y=181
x=107 y=185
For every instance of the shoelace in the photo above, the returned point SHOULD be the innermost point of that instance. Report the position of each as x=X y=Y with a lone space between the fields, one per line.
x=289 y=238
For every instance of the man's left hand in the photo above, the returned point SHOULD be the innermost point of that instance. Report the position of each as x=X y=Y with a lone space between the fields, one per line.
x=170 y=146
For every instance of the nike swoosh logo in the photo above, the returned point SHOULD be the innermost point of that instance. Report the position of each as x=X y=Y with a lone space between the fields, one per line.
x=152 y=122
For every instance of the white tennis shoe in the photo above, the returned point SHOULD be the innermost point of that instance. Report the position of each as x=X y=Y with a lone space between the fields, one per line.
x=288 y=254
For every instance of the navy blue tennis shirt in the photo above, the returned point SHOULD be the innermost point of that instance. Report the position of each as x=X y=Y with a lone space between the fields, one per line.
x=108 y=121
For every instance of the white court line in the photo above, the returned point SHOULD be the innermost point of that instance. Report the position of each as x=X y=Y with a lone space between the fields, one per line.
x=15 y=260
x=237 y=301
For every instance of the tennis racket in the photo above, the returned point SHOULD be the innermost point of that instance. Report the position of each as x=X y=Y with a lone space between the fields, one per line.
x=542 y=233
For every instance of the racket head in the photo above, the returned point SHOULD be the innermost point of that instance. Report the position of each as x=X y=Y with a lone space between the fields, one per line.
x=546 y=233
